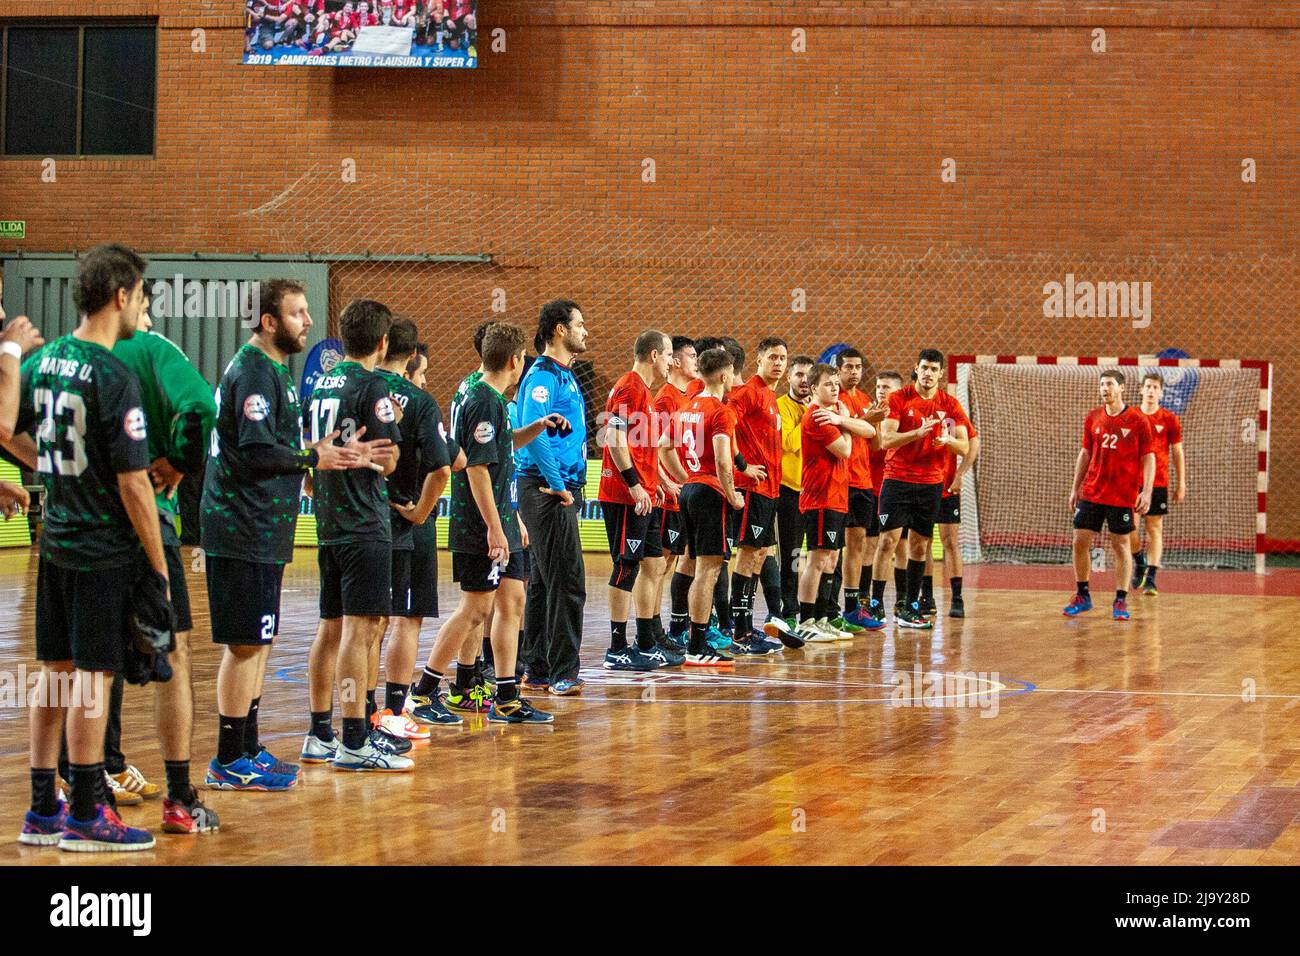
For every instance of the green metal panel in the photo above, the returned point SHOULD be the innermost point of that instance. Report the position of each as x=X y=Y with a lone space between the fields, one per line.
x=41 y=288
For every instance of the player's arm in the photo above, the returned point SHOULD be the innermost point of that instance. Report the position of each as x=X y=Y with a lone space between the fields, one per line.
x=123 y=421
x=436 y=456
x=137 y=493
x=1176 y=453
x=14 y=499
x=621 y=455
x=722 y=455
x=537 y=397
x=957 y=442
x=1148 y=480
x=669 y=463
x=963 y=466
x=23 y=449
x=842 y=446
x=19 y=337
x=430 y=492
x=1080 y=469
x=194 y=413
x=523 y=436
x=480 y=486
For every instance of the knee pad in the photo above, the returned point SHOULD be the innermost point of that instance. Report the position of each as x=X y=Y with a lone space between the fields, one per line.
x=624 y=573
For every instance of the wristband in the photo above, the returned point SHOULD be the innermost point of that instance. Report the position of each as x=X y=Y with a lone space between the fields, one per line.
x=11 y=348
x=740 y=462
x=631 y=476
x=313 y=458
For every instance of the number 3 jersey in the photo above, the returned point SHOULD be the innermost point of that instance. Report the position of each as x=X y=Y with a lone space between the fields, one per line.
x=351 y=504
x=90 y=427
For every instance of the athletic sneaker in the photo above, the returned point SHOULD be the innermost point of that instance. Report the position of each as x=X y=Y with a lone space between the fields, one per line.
x=132 y=781
x=754 y=647
x=567 y=687
x=710 y=658
x=957 y=608
x=778 y=629
x=807 y=633
x=189 y=816
x=1149 y=588
x=830 y=628
x=104 y=834
x=1119 y=611
x=631 y=659
x=680 y=640
x=820 y=633
x=670 y=647
x=44 y=831
x=430 y=711
x=399 y=725
x=669 y=656
x=926 y=606
x=487 y=670
x=848 y=627
x=876 y=611
x=372 y=756
x=471 y=701
x=390 y=742
x=122 y=796
x=243 y=774
x=899 y=606
x=1139 y=571
x=315 y=750
x=518 y=711
x=535 y=683
x=717 y=638
x=271 y=763
x=911 y=616
x=863 y=619
x=1078 y=604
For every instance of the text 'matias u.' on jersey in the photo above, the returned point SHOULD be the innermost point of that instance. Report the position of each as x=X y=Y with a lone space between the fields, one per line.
x=857 y=402
x=669 y=402
x=702 y=419
x=352 y=504
x=1117 y=444
x=792 y=413
x=90 y=427
x=1166 y=431
x=245 y=513
x=758 y=434
x=480 y=425
x=424 y=449
x=922 y=462
x=950 y=469
x=825 y=475
x=630 y=409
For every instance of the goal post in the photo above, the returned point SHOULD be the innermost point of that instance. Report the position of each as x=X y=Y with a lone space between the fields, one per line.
x=1029 y=411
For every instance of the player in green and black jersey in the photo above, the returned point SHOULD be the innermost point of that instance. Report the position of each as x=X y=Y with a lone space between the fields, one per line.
x=353 y=526
x=487 y=538
x=101 y=558
x=251 y=494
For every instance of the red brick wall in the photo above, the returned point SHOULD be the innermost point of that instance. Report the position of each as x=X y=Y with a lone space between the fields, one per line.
x=774 y=170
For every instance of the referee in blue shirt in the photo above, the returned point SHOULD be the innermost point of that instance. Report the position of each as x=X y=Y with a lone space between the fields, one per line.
x=552 y=475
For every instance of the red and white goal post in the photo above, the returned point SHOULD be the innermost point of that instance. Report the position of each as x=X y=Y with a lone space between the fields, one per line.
x=1029 y=411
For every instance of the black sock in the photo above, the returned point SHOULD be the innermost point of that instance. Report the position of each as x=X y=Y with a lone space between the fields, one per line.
x=807 y=611
x=1121 y=595
x=826 y=604
x=900 y=584
x=178 y=780
x=645 y=634
x=466 y=676
x=618 y=635
x=322 y=725
x=87 y=781
x=1082 y=589
x=427 y=685
x=955 y=585
x=657 y=624
x=1140 y=559
x=230 y=738
x=878 y=592
x=864 y=582
x=741 y=619
x=354 y=732
x=679 y=590
x=850 y=600
x=770 y=576
x=486 y=653
x=915 y=571
x=699 y=638
x=721 y=599
x=927 y=587
x=1151 y=573
x=250 y=728
x=507 y=689
x=44 y=800
x=371 y=707
x=395 y=696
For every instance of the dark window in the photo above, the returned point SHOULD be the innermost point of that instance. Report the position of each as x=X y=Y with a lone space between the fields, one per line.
x=79 y=90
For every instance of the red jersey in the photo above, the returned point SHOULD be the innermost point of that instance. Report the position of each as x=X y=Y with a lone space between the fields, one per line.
x=857 y=402
x=825 y=475
x=950 y=469
x=1117 y=444
x=669 y=401
x=458 y=8
x=877 y=469
x=697 y=425
x=758 y=434
x=921 y=462
x=695 y=388
x=1166 y=431
x=630 y=410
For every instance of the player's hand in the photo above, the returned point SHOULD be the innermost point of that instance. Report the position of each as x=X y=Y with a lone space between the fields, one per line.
x=557 y=424
x=659 y=497
x=955 y=487
x=876 y=412
x=523 y=533
x=332 y=457
x=1180 y=494
x=1143 y=503
x=927 y=426
x=642 y=502
x=21 y=332
x=737 y=500
x=371 y=454
x=670 y=487
x=14 y=499
x=165 y=478
x=409 y=511
x=943 y=440
x=824 y=416
x=756 y=472
x=564 y=494
x=1074 y=500
x=498 y=546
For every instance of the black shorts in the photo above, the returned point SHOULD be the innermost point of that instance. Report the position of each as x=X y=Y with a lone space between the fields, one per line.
x=400 y=581
x=1088 y=516
x=83 y=616
x=824 y=529
x=705 y=521
x=862 y=509
x=950 y=509
x=905 y=504
x=1159 y=501
x=756 y=522
x=671 y=535
x=477 y=572
x=631 y=536
x=873 y=510
x=179 y=587
x=243 y=600
x=356 y=580
x=421 y=597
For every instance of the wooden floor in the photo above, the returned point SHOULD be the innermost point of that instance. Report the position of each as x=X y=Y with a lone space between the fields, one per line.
x=1082 y=741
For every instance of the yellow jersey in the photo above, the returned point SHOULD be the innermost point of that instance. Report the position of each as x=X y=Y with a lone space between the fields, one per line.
x=792 y=413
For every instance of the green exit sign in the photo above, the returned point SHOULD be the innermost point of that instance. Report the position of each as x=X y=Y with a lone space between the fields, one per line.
x=13 y=228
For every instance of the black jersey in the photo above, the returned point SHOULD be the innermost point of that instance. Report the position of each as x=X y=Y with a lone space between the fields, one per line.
x=424 y=449
x=480 y=424
x=244 y=513
x=90 y=427
x=352 y=504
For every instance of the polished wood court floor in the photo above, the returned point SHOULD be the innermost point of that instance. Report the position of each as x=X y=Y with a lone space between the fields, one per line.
x=1174 y=738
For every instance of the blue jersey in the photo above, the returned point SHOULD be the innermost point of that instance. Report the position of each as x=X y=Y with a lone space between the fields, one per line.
x=561 y=462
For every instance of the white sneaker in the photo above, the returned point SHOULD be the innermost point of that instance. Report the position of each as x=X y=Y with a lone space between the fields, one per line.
x=315 y=750
x=123 y=796
x=824 y=624
x=370 y=758
x=810 y=633
x=400 y=725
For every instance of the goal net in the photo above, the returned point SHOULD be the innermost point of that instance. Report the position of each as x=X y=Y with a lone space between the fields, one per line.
x=1030 y=411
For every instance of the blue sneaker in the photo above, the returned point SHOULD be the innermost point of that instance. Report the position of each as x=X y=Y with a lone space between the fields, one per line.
x=430 y=710
x=861 y=617
x=104 y=834
x=243 y=774
x=1078 y=604
x=717 y=638
x=669 y=656
x=632 y=659
x=273 y=764
x=518 y=711
x=680 y=641
x=44 y=831
x=567 y=687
